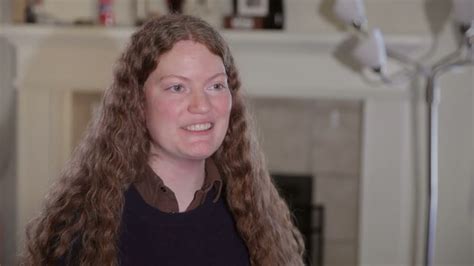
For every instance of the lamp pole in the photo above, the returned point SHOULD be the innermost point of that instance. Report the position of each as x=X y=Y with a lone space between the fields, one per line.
x=433 y=99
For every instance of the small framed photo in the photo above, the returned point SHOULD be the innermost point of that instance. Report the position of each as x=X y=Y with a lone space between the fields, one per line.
x=252 y=8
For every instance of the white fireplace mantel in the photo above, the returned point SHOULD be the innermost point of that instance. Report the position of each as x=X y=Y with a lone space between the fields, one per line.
x=272 y=63
x=54 y=62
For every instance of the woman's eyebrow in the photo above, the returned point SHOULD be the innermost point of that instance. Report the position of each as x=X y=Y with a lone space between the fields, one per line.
x=173 y=76
x=217 y=75
x=187 y=79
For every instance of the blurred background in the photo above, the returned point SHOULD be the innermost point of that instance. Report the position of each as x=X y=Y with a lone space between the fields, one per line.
x=347 y=150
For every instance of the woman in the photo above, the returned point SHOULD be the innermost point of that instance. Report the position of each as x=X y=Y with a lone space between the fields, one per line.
x=169 y=173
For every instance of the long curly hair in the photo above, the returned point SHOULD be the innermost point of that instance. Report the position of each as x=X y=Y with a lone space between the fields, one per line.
x=84 y=208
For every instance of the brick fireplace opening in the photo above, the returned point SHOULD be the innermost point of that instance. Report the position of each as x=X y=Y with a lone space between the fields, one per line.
x=321 y=139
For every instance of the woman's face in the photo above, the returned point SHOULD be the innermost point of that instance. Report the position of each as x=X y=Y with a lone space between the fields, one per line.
x=188 y=103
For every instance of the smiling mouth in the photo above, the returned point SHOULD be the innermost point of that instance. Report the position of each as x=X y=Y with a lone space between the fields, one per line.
x=199 y=127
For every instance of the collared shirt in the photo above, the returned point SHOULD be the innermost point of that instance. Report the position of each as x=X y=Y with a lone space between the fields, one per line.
x=155 y=193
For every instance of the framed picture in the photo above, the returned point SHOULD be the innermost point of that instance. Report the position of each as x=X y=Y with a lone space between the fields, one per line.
x=252 y=8
x=18 y=15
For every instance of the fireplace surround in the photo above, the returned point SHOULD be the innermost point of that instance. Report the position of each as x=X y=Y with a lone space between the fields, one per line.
x=53 y=64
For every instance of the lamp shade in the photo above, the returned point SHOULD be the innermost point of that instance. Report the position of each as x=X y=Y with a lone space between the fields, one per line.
x=463 y=11
x=371 y=52
x=351 y=12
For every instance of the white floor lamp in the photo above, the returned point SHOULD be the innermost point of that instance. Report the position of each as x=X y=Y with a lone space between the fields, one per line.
x=371 y=52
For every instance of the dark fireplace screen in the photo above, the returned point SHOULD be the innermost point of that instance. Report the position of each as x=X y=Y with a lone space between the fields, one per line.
x=297 y=190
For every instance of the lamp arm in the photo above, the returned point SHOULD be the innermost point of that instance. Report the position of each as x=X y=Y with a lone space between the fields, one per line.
x=439 y=69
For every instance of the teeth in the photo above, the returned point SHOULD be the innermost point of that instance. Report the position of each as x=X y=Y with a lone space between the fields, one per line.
x=199 y=127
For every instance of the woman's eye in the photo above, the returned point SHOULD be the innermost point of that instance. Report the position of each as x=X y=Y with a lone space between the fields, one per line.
x=218 y=86
x=176 y=88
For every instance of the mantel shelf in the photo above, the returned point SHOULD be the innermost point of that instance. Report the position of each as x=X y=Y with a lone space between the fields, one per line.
x=272 y=63
x=19 y=33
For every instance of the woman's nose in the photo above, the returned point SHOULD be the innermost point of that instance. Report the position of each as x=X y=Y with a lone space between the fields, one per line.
x=199 y=102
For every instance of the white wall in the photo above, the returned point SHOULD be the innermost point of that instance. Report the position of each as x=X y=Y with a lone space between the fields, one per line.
x=7 y=145
x=5 y=11
x=7 y=155
x=455 y=227
x=387 y=201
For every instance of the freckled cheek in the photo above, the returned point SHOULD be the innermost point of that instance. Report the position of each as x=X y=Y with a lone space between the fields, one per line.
x=224 y=105
x=163 y=114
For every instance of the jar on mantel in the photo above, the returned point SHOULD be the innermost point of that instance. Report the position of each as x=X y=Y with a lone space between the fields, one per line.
x=106 y=13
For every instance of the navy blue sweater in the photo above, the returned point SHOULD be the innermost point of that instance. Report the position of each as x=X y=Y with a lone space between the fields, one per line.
x=204 y=236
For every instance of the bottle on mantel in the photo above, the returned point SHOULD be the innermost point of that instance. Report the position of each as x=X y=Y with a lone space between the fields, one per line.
x=273 y=19
x=106 y=13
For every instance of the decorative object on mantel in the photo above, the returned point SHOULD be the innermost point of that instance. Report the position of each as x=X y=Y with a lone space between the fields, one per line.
x=370 y=52
x=18 y=8
x=106 y=12
x=256 y=14
x=175 y=6
x=209 y=10
x=30 y=15
x=145 y=9
x=32 y=11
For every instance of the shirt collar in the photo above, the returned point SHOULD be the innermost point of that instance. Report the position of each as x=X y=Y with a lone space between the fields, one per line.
x=155 y=193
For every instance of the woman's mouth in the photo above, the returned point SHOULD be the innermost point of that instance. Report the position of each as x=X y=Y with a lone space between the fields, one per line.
x=199 y=127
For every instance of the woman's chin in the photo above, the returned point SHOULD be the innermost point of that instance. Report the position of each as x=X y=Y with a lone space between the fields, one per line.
x=200 y=153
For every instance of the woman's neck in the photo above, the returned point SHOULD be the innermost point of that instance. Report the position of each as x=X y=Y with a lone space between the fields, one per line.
x=184 y=177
